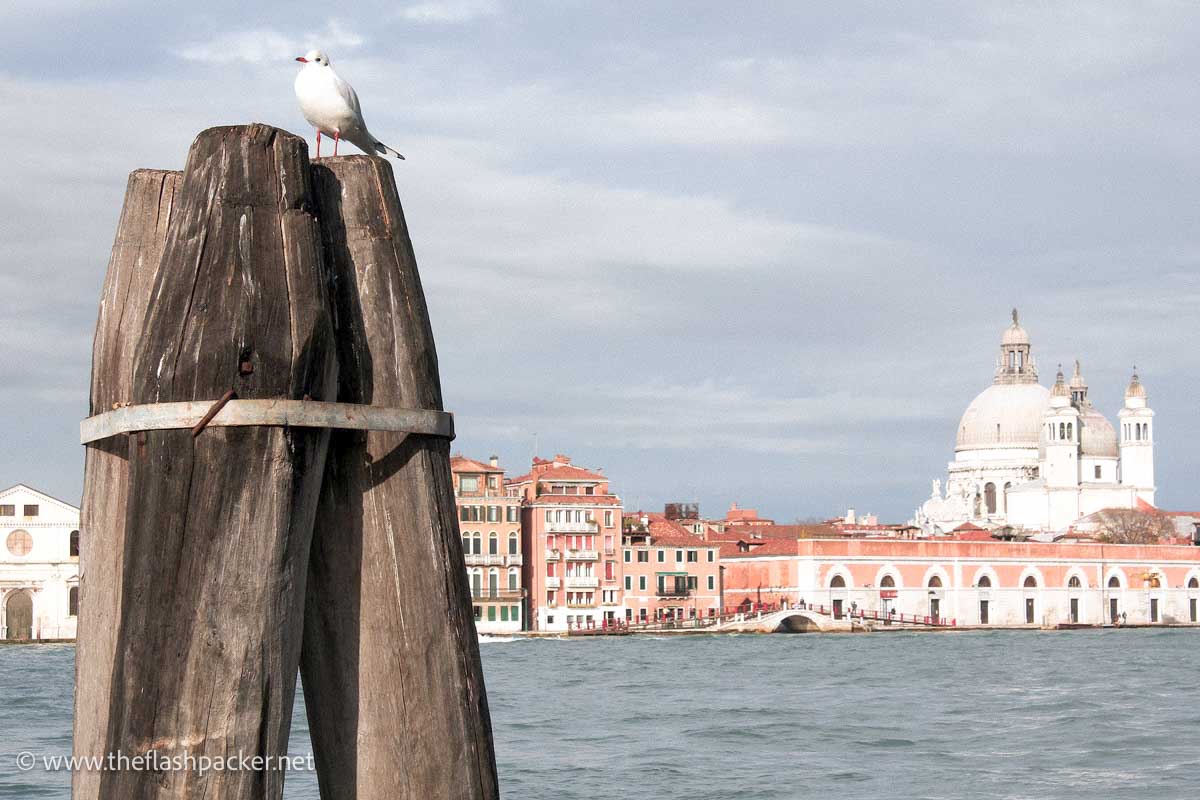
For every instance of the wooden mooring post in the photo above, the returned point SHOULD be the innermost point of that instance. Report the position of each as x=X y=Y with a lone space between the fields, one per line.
x=391 y=671
x=141 y=234
x=201 y=604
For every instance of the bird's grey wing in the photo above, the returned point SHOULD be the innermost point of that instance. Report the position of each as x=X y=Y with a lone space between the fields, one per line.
x=348 y=94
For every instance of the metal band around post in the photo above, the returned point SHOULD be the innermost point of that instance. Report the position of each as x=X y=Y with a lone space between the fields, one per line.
x=277 y=413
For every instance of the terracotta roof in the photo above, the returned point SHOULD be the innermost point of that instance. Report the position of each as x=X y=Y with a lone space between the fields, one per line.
x=577 y=499
x=460 y=463
x=569 y=473
x=774 y=532
x=975 y=535
x=667 y=533
x=770 y=547
x=561 y=474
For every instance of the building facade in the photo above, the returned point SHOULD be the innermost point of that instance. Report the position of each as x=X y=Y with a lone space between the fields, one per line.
x=669 y=572
x=39 y=566
x=1037 y=458
x=489 y=520
x=970 y=583
x=572 y=525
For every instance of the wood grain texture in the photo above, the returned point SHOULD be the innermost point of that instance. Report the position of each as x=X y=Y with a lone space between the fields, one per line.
x=141 y=234
x=391 y=671
x=218 y=527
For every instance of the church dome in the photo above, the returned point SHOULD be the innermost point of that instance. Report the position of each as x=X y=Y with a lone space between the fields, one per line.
x=1097 y=437
x=1004 y=415
x=1013 y=335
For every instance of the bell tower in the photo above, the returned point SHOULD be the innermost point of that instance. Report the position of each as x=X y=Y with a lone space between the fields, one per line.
x=1060 y=438
x=1137 y=441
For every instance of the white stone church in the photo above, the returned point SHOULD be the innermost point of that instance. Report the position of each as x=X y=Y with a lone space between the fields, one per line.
x=1039 y=459
x=39 y=566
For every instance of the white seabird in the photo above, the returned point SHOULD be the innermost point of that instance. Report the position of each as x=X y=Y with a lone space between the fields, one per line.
x=331 y=106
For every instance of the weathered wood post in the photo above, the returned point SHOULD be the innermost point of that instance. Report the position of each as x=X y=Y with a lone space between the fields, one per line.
x=391 y=669
x=218 y=525
x=197 y=542
x=141 y=234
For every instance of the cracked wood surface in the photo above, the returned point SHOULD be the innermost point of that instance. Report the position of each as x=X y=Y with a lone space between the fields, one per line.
x=391 y=671
x=218 y=527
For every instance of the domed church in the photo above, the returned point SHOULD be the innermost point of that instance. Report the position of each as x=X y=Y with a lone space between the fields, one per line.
x=1037 y=458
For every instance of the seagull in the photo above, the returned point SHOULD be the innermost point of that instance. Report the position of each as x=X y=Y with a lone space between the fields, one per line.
x=331 y=106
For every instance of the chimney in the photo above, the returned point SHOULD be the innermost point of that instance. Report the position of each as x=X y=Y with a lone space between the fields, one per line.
x=494 y=461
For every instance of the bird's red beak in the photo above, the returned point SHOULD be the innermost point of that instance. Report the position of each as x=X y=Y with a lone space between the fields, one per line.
x=302 y=59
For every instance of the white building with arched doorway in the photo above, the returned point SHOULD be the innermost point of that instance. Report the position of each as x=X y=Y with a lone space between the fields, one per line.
x=39 y=566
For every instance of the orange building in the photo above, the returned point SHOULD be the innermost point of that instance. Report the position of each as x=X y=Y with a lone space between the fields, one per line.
x=572 y=525
x=490 y=522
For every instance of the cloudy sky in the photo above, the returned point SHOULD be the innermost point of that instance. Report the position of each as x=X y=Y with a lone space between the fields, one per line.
x=750 y=252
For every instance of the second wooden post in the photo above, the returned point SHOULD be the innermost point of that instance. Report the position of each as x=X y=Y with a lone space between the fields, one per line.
x=391 y=668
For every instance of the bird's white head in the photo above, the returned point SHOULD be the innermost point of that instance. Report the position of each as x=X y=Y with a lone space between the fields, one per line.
x=314 y=57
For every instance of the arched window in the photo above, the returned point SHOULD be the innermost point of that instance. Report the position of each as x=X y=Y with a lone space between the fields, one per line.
x=493 y=544
x=1062 y=430
x=1193 y=583
x=74 y=544
x=73 y=600
x=493 y=583
x=935 y=582
x=1114 y=582
x=477 y=543
x=989 y=497
x=1030 y=582
x=512 y=580
x=1070 y=432
x=984 y=582
x=466 y=544
x=1074 y=582
x=838 y=582
x=888 y=582
x=476 y=583
x=514 y=544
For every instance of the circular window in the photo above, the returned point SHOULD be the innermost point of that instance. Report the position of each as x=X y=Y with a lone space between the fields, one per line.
x=20 y=543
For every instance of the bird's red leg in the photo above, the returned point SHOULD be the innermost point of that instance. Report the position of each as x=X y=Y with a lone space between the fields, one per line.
x=318 y=142
x=337 y=135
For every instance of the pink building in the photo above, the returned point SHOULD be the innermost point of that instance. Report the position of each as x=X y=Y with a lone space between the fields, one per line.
x=572 y=525
x=490 y=522
x=972 y=582
x=670 y=573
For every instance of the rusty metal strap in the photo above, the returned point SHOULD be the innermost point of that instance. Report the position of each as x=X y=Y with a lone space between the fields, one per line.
x=290 y=413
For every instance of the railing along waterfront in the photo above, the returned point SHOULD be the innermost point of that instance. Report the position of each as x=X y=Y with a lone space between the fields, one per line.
x=755 y=610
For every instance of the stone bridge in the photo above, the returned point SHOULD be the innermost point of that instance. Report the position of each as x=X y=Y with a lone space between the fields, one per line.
x=788 y=620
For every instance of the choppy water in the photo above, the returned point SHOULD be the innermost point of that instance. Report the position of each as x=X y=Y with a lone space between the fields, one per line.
x=1087 y=714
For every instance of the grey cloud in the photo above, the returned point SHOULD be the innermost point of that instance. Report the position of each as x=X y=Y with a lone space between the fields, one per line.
x=762 y=258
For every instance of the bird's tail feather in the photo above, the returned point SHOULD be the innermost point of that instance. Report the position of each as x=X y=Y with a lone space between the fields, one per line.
x=383 y=149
